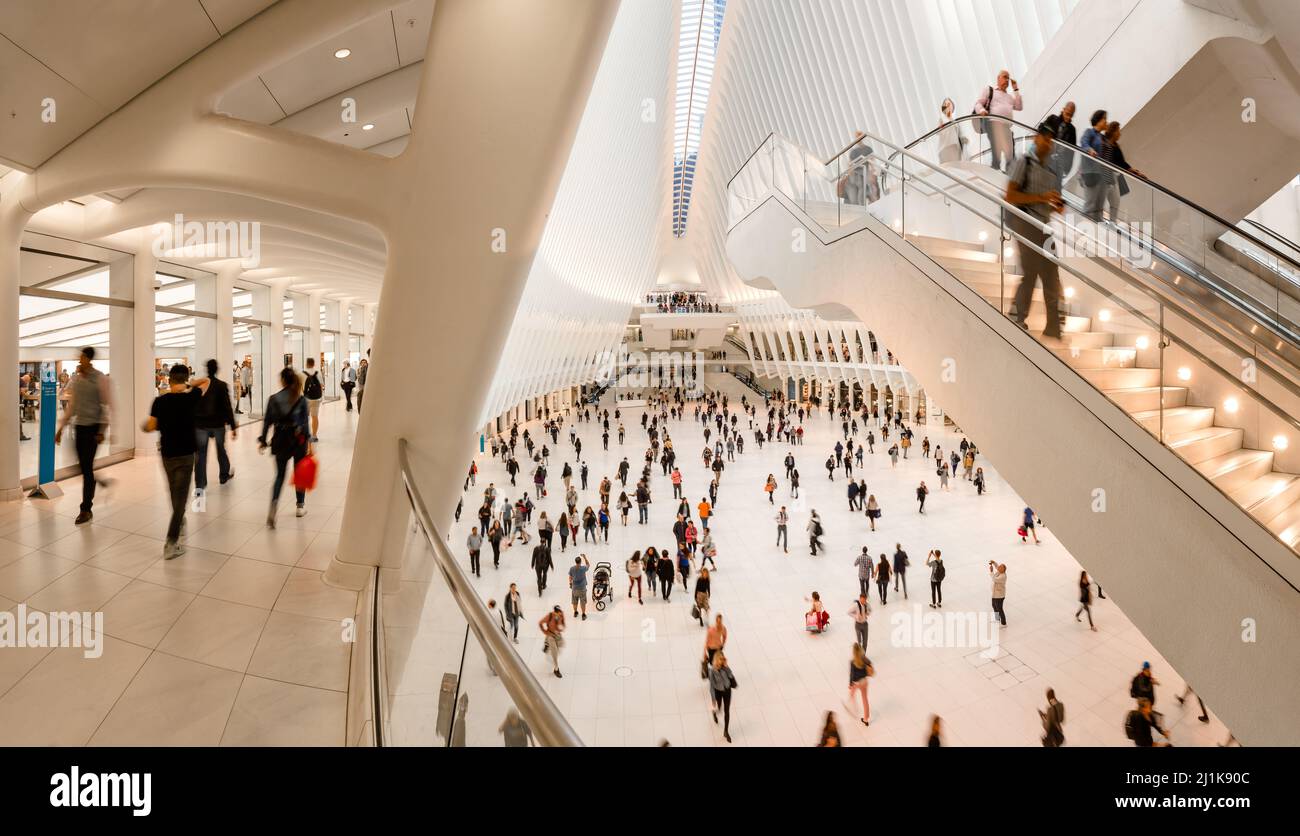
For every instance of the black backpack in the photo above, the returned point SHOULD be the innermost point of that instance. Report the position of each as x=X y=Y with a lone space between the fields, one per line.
x=940 y=572
x=312 y=388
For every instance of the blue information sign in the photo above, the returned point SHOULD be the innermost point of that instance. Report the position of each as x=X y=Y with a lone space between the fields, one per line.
x=49 y=413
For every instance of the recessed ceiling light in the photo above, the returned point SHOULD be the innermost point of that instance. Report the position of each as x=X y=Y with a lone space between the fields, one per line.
x=342 y=53
x=369 y=126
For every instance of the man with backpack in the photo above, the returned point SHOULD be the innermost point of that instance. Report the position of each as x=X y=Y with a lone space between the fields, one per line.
x=937 y=573
x=314 y=393
x=1138 y=725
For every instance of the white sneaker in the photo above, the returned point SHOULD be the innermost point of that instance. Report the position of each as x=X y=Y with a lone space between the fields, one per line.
x=300 y=512
x=171 y=550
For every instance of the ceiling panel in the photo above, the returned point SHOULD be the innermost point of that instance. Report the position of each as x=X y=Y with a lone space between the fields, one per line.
x=411 y=22
x=25 y=139
x=389 y=126
x=316 y=74
x=109 y=51
x=251 y=101
x=228 y=14
x=38 y=268
x=391 y=148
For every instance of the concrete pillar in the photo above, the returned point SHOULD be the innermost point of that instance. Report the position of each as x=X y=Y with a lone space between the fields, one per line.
x=312 y=347
x=225 y=330
x=274 y=360
x=121 y=355
x=206 y=339
x=345 y=333
x=11 y=230
x=543 y=59
x=144 y=268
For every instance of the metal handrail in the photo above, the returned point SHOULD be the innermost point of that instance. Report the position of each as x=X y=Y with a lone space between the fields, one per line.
x=1158 y=298
x=531 y=700
x=1100 y=163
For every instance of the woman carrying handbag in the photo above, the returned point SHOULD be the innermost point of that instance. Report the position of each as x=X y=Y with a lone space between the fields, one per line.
x=286 y=412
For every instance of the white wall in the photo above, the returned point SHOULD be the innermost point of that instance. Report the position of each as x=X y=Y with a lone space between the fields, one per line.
x=598 y=253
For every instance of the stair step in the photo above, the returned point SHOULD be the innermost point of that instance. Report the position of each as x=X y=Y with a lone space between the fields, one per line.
x=1198 y=445
x=1038 y=319
x=947 y=247
x=1269 y=495
x=1092 y=339
x=1286 y=525
x=1109 y=379
x=1233 y=470
x=971 y=271
x=1098 y=358
x=1148 y=397
x=1178 y=420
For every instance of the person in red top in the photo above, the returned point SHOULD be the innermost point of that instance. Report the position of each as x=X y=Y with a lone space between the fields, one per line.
x=705 y=510
x=677 y=483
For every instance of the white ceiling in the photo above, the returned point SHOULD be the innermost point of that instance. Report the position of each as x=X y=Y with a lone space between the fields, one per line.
x=91 y=58
x=313 y=83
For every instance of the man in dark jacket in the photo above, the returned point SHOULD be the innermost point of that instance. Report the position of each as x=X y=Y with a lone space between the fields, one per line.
x=542 y=564
x=1062 y=125
x=211 y=416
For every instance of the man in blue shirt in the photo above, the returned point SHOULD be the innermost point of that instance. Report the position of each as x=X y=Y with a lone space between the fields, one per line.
x=578 y=584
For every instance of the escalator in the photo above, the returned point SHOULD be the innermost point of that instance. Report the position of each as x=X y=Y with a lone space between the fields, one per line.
x=1159 y=433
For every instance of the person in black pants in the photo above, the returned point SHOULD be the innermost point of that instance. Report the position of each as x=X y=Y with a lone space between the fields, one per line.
x=211 y=417
x=542 y=564
x=937 y=572
x=666 y=573
x=721 y=682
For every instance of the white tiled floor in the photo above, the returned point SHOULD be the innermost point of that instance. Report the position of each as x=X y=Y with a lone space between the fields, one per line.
x=787 y=677
x=237 y=642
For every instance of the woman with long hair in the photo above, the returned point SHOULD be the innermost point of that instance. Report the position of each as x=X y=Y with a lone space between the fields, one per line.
x=859 y=670
x=286 y=411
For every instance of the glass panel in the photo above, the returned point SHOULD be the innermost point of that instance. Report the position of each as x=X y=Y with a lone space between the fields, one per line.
x=1160 y=306
x=293 y=348
x=249 y=346
x=441 y=689
x=329 y=364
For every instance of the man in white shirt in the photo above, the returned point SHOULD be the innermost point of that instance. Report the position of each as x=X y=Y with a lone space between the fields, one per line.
x=999 y=101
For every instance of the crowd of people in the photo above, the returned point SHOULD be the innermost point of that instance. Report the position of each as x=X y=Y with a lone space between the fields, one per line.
x=682 y=301
x=191 y=415
x=681 y=554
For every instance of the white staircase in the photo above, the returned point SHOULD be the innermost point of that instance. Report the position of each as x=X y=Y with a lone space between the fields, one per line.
x=1244 y=474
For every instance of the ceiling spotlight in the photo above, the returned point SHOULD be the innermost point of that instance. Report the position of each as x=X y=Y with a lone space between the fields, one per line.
x=1231 y=404
x=342 y=53
x=369 y=126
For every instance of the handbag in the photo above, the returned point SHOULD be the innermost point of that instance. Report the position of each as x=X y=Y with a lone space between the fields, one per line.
x=979 y=124
x=304 y=473
x=1123 y=186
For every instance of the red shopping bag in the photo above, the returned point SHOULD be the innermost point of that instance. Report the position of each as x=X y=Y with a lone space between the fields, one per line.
x=304 y=473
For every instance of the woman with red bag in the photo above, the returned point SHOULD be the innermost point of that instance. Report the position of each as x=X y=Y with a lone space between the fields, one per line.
x=286 y=411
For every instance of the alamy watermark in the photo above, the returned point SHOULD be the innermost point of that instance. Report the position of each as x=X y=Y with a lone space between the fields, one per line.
x=1085 y=238
x=33 y=628
x=920 y=627
x=626 y=369
x=210 y=239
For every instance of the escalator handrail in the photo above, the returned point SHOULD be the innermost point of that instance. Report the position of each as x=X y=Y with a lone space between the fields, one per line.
x=1272 y=233
x=1270 y=322
x=527 y=694
x=1279 y=378
x=1101 y=164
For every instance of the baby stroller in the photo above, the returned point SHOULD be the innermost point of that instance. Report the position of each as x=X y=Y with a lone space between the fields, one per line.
x=600 y=585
